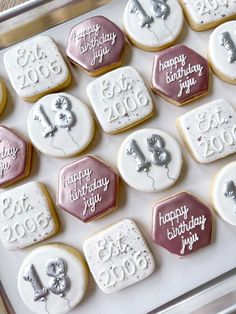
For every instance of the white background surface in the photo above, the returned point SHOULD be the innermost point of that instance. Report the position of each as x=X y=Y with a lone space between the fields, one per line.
x=173 y=276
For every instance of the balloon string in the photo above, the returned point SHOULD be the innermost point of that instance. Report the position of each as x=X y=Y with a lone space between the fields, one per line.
x=168 y=29
x=58 y=148
x=154 y=34
x=46 y=308
x=73 y=139
x=68 y=302
x=168 y=170
x=153 y=181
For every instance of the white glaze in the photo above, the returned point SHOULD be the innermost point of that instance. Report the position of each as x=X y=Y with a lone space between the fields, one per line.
x=225 y=205
x=35 y=66
x=67 y=138
x=25 y=216
x=158 y=178
x=120 y=99
x=161 y=31
x=218 y=54
x=203 y=12
x=118 y=256
x=76 y=273
x=210 y=130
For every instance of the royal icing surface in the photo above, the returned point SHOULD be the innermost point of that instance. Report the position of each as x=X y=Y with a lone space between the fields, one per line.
x=180 y=74
x=204 y=12
x=60 y=125
x=35 y=67
x=153 y=24
x=88 y=188
x=15 y=156
x=210 y=131
x=26 y=216
x=52 y=279
x=95 y=44
x=120 y=99
x=222 y=49
x=118 y=256
x=150 y=160
x=182 y=224
x=224 y=193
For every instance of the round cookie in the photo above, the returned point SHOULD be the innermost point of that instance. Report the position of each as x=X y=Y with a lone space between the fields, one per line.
x=36 y=67
x=222 y=52
x=153 y=25
x=52 y=279
x=3 y=96
x=96 y=45
x=205 y=14
x=223 y=193
x=180 y=75
x=88 y=188
x=60 y=125
x=150 y=160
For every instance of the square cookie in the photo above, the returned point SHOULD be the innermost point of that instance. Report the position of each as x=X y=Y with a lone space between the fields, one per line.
x=118 y=256
x=120 y=99
x=36 y=67
x=209 y=131
x=26 y=216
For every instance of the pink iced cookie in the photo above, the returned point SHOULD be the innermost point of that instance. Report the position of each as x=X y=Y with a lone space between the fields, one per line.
x=87 y=188
x=180 y=75
x=15 y=157
x=96 y=45
x=182 y=224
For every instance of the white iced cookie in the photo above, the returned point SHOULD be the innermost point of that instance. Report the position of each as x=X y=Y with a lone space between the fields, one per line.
x=120 y=99
x=27 y=216
x=209 y=131
x=150 y=160
x=60 y=125
x=224 y=193
x=222 y=51
x=153 y=24
x=118 y=256
x=52 y=279
x=3 y=96
x=36 y=68
x=205 y=14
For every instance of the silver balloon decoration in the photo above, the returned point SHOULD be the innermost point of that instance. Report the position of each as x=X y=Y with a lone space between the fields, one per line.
x=160 y=9
x=63 y=115
x=159 y=155
x=59 y=283
x=228 y=43
x=134 y=150
x=136 y=8
x=230 y=191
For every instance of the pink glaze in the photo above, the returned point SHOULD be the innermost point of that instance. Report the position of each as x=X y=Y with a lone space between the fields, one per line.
x=180 y=74
x=87 y=188
x=14 y=154
x=95 y=44
x=179 y=219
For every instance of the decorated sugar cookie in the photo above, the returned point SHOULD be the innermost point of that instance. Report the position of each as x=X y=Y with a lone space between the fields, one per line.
x=118 y=256
x=60 y=125
x=120 y=99
x=52 y=279
x=224 y=193
x=209 y=131
x=205 y=14
x=179 y=75
x=150 y=160
x=222 y=51
x=181 y=224
x=88 y=188
x=27 y=216
x=96 y=45
x=3 y=96
x=153 y=24
x=36 y=67
x=15 y=157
